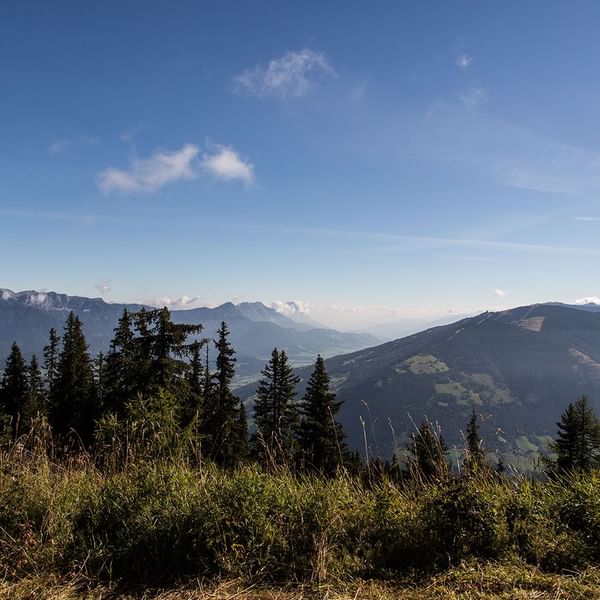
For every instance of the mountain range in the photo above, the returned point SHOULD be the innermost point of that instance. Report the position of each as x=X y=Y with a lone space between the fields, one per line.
x=26 y=317
x=517 y=368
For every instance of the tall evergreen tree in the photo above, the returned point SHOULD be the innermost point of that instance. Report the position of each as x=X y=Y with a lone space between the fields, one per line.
x=120 y=366
x=99 y=367
x=35 y=404
x=51 y=353
x=428 y=453
x=192 y=408
x=321 y=439
x=474 y=451
x=577 y=445
x=221 y=418
x=207 y=380
x=160 y=346
x=241 y=432
x=13 y=392
x=73 y=402
x=275 y=413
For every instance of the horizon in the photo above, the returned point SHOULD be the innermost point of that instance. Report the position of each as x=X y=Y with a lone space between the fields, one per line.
x=307 y=315
x=224 y=153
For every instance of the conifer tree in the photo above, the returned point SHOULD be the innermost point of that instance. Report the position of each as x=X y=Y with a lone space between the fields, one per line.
x=35 y=404
x=160 y=346
x=577 y=445
x=99 y=367
x=321 y=438
x=73 y=402
x=195 y=379
x=427 y=453
x=120 y=370
x=275 y=413
x=222 y=406
x=242 y=451
x=474 y=452
x=13 y=392
x=207 y=381
x=51 y=360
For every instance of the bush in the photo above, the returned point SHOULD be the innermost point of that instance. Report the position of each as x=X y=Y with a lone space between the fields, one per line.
x=158 y=524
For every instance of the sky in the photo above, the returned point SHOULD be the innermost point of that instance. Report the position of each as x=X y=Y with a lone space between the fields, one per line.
x=366 y=161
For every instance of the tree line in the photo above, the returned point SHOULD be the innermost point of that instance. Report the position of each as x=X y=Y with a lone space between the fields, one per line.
x=156 y=386
x=156 y=390
x=576 y=448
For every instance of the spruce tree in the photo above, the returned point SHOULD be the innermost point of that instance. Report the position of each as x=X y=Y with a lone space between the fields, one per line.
x=474 y=452
x=321 y=438
x=119 y=371
x=160 y=346
x=242 y=448
x=35 y=404
x=51 y=352
x=13 y=392
x=275 y=413
x=222 y=415
x=99 y=367
x=192 y=408
x=427 y=453
x=73 y=405
x=577 y=445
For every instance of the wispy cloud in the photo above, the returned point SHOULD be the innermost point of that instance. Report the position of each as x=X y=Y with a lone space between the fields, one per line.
x=511 y=154
x=224 y=162
x=499 y=293
x=40 y=215
x=390 y=243
x=63 y=145
x=103 y=287
x=293 y=74
x=474 y=96
x=463 y=60
x=588 y=300
x=586 y=219
x=149 y=175
x=358 y=93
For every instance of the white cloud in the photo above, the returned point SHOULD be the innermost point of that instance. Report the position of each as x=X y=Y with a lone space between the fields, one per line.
x=588 y=300
x=586 y=219
x=292 y=74
x=474 y=96
x=162 y=168
x=103 y=287
x=291 y=307
x=499 y=293
x=463 y=60
x=149 y=175
x=225 y=163
x=179 y=302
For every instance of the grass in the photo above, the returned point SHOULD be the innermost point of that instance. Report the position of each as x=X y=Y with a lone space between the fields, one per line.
x=70 y=529
x=425 y=364
x=470 y=580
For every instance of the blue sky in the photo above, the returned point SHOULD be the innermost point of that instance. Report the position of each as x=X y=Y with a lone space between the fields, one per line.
x=372 y=162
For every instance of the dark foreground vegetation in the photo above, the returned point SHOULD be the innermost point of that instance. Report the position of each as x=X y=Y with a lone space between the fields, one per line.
x=137 y=472
x=163 y=523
